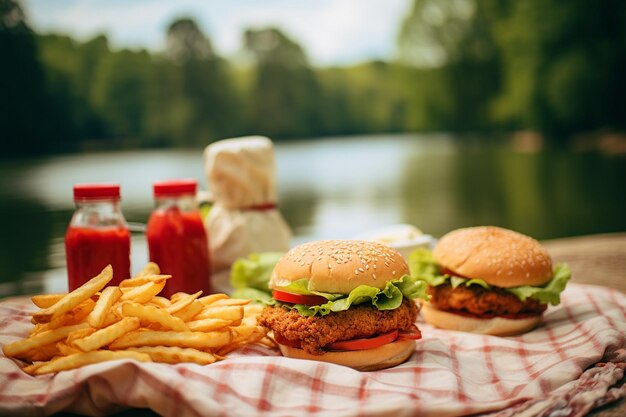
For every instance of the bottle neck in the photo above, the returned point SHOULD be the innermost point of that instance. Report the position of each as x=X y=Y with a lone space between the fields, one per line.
x=184 y=202
x=98 y=213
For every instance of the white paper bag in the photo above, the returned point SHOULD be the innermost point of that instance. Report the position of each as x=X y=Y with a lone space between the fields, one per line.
x=241 y=176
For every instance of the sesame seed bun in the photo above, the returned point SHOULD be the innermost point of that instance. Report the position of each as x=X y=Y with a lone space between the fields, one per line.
x=496 y=326
x=501 y=257
x=374 y=359
x=339 y=266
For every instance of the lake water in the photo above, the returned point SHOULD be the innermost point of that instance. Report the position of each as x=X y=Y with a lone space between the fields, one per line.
x=328 y=188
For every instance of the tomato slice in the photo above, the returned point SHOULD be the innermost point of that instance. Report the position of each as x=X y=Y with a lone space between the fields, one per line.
x=308 y=300
x=367 y=343
x=413 y=334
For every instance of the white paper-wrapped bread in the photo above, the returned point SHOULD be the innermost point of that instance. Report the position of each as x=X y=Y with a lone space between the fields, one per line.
x=241 y=175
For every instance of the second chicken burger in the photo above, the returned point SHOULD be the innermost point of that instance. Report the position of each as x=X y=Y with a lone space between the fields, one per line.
x=488 y=280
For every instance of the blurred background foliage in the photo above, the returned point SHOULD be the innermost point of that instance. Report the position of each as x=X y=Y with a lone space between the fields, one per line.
x=552 y=67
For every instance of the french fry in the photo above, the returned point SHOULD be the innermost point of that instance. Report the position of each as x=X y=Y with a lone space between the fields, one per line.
x=143 y=293
x=46 y=300
x=111 y=318
x=153 y=314
x=141 y=280
x=250 y=334
x=230 y=302
x=183 y=302
x=226 y=349
x=151 y=268
x=199 y=340
x=79 y=334
x=74 y=298
x=232 y=313
x=74 y=316
x=174 y=354
x=177 y=296
x=132 y=321
x=105 y=336
x=36 y=329
x=81 y=359
x=210 y=299
x=207 y=325
x=189 y=312
x=30 y=369
x=243 y=335
x=99 y=313
x=17 y=349
x=161 y=302
x=66 y=350
x=251 y=314
x=43 y=353
x=253 y=310
x=267 y=342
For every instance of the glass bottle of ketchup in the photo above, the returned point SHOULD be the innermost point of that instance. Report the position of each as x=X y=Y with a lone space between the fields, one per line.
x=97 y=235
x=177 y=241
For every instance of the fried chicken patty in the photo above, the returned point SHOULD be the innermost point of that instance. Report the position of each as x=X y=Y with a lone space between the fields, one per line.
x=481 y=301
x=357 y=322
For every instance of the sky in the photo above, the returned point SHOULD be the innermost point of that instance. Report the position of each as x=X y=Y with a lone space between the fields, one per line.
x=332 y=32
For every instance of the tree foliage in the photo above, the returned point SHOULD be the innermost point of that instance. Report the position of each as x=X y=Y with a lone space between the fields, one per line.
x=551 y=66
x=32 y=120
x=462 y=65
x=285 y=94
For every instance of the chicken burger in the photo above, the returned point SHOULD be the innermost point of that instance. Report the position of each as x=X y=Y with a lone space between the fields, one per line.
x=346 y=302
x=488 y=280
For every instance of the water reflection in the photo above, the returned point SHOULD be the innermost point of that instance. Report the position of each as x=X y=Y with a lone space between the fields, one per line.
x=331 y=188
x=27 y=228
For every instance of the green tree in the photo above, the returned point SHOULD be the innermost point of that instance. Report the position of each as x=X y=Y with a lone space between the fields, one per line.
x=70 y=69
x=564 y=64
x=364 y=98
x=31 y=122
x=285 y=96
x=120 y=92
x=453 y=37
x=194 y=88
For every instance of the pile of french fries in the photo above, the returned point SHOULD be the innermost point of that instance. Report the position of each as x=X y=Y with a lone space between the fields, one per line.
x=95 y=323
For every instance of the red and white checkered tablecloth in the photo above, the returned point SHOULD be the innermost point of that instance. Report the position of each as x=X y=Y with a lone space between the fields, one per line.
x=549 y=371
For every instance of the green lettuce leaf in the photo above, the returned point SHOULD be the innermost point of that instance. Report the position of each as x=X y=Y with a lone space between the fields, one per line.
x=468 y=282
x=301 y=287
x=424 y=267
x=255 y=295
x=254 y=271
x=388 y=298
x=549 y=292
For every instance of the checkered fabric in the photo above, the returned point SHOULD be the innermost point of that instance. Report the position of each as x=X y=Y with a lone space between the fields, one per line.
x=570 y=364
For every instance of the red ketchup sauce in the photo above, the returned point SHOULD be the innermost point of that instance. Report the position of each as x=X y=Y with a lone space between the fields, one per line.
x=90 y=250
x=97 y=235
x=177 y=240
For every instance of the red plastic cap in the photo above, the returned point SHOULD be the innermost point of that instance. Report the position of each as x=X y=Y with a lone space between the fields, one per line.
x=174 y=187
x=96 y=191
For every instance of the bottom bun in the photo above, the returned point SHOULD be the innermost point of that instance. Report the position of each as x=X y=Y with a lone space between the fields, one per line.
x=496 y=326
x=382 y=357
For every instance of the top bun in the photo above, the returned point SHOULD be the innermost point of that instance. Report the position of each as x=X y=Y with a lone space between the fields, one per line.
x=339 y=266
x=499 y=256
